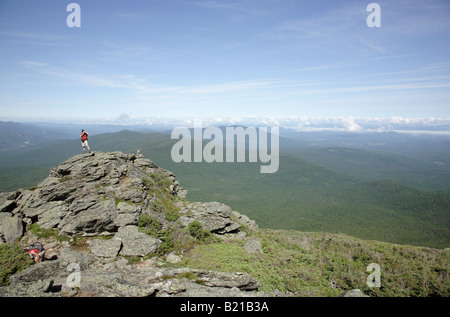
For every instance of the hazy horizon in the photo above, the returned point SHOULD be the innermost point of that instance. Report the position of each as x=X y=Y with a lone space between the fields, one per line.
x=430 y=126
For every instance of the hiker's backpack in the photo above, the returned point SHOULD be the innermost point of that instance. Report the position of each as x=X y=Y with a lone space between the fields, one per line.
x=84 y=137
x=37 y=246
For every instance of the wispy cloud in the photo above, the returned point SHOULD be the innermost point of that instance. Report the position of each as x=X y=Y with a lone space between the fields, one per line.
x=326 y=24
x=142 y=87
x=324 y=67
x=132 y=16
x=71 y=76
x=257 y=91
x=330 y=31
x=416 y=17
x=35 y=39
x=236 y=92
x=253 y=9
x=36 y=36
x=345 y=27
x=374 y=88
x=32 y=64
x=119 y=51
x=435 y=69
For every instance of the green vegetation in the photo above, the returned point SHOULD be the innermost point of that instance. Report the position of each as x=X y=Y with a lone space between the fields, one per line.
x=46 y=233
x=164 y=205
x=153 y=227
x=302 y=196
x=366 y=166
x=13 y=259
x=149 y=225
x=158 y=185
x=174 y=237
x=195 y=229
x=323 y=264
x=368 y=194
x=168 y=230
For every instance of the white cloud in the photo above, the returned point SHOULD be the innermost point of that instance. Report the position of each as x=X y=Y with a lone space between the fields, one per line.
x=351 y=125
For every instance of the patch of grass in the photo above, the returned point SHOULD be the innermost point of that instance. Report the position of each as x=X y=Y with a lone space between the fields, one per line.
x=133 y=259
x=188 y=275
x=323 y=264
x=35 y=229
x=12 y=260
x=65 y=178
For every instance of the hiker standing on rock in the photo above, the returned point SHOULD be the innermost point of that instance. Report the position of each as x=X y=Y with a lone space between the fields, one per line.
x=84 y=141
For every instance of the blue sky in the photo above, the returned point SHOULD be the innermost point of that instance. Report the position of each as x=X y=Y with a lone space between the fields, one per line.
x=224 y=58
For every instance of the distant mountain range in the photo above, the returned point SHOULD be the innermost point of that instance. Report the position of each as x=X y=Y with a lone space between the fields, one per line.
x=18 y=135
x=383 y=186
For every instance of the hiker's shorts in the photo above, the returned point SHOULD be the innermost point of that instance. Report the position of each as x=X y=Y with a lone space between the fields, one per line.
x=84 y=143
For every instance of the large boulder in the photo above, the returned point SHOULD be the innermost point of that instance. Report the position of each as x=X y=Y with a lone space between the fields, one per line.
x=213 y=216
x=11 y=227
x=135 y=243
x=7 y=201
x=245 y=221
x=105 y=248
x=88 y=195
x=90 y=217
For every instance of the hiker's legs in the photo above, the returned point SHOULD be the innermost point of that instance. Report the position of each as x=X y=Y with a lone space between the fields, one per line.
x=85 y=145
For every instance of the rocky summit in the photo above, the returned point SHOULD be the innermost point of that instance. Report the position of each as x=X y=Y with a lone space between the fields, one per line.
x=119 y=225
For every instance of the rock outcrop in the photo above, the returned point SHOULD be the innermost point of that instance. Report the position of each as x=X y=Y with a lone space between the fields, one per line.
x=118 y=278
x=99 y=193
x=101 y=198
x=82 y=195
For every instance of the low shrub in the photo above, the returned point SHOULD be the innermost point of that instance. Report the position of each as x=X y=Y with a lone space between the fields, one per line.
x=13 y=259
x=195 y=229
